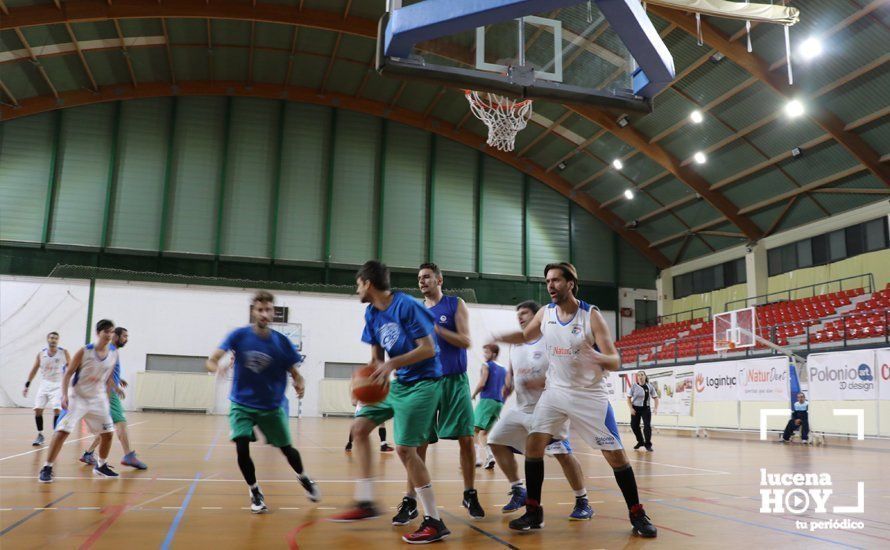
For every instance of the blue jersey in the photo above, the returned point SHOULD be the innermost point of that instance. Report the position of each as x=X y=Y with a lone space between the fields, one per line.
x=116 y=374
x=494 y=385
x=261 y=367
x=453 y=358
x=396 y=328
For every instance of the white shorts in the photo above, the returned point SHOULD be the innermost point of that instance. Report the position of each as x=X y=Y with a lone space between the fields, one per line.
x=591 y=417
x=48 y=397
x=95 y=412
x=513 y=428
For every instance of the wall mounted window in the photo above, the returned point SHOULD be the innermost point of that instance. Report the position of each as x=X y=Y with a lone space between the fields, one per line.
x=710 y=278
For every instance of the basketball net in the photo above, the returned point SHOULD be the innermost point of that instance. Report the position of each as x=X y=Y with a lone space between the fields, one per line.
x=503 y=116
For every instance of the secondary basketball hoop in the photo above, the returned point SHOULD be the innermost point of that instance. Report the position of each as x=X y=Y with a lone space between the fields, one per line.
x=503 y=116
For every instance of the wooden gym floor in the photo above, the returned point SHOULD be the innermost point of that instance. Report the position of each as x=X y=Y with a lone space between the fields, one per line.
x=701 y=493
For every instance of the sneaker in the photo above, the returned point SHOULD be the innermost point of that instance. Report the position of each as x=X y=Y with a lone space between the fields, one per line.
x=582 y=511
x=430 y=530
x=257 y=502
x=361 y=510
x=39 y=441
x=649 y=448
x=533 y=518
x=406 y=512
x=489 y=463
x=517 y=499
x=88 y=457
x=46 y=475
x=641 y=524
x=104 y=471
x=471 y=503
x=385 y=448
x=348 y=447
x=637 y=446
x=478 y=464
x=131 y=460
x=311 y=488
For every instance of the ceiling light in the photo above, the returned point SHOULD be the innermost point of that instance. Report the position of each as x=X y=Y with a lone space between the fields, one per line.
x=561 y=166
x=700 y=158
x=617 y=164
x=810 y=48
x=629 y=194
x=622 y=121
x=696 y=117
x=794 y=108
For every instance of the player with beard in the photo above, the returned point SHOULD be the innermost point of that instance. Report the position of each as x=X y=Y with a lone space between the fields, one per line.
x=50 y=363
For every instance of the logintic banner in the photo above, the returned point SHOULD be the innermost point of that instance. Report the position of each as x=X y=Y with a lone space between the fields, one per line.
x=717 y=381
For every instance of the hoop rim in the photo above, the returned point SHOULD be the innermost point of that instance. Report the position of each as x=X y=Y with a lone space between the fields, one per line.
x=517 y=103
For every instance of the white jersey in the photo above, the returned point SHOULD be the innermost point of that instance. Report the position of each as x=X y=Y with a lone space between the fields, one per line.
x=529 y=363
x=90 y=381
x=52 y=367
x=563 y=340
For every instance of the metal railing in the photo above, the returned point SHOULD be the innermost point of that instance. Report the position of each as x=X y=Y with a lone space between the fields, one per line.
x=675 y=317
x=786 y=295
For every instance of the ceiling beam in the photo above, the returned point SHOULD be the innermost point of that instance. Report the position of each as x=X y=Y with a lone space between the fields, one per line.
x=676 y=236
x=785 y=211
x=868 y=119
x=35 y=61
x=853 y=191
x=6 y=91
x=310 y=95
x=126 y=54
x=562 y=118
x=83 y=60
x=822 y=182
x=291 y=55
x=250 y=52
x=169 y=51
x=330 y=67
x=757 y=67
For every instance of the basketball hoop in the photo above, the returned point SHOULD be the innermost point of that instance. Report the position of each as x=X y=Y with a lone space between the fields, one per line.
x=503 y=116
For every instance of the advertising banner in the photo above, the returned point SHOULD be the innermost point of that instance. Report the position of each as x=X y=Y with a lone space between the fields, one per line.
x=674 y=388
x=764 y=380
x=882 y=373
x=717 y=381
x=842 y=375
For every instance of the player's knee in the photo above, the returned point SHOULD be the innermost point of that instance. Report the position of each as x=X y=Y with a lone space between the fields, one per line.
x=38 y=412
x=406 y=453
x=616 y=458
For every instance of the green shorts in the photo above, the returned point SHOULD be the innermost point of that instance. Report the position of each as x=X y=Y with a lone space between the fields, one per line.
x=487 y=413
x=455 y=408
x=117 y=409
x=412 y=408
x=273 y=424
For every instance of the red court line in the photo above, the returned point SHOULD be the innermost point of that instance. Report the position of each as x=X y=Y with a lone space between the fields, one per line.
x=114 y=512
x=291 y=537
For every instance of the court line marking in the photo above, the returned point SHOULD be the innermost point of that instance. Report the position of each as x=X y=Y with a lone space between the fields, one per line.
x=141 y=504
x=178 y=519
x=38 y=449
x=34 y=513
x=492 y=536
x=663 y=464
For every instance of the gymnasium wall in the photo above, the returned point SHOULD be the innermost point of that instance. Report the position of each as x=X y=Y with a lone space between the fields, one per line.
x=261 y=181
x=876 y=263
x=715 y=300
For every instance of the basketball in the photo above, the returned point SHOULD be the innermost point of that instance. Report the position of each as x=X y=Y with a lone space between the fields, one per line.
x=364 y=389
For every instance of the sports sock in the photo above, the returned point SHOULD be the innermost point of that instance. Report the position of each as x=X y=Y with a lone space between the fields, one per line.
x=534 y=477
x=517 y=483
x=488 y=454
x=254 y=487
x=50 y=464
x=628 y=485
x=100 y=462
x=381 y=431
x=426 y=497
x=478 y=453
x=39 y=421
x=55 y=420
x=364 y=490
x=580 y=493
x=245 y=464
x=293 y=458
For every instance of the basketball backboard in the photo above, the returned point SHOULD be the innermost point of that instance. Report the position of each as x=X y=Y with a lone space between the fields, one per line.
x=735 y=329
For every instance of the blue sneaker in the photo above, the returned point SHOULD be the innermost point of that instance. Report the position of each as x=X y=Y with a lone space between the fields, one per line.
x=582 y=511
x=131 y=460
x=517 y=500
x=88 y=457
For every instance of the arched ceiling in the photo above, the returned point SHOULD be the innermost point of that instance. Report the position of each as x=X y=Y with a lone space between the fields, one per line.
x=61 y=54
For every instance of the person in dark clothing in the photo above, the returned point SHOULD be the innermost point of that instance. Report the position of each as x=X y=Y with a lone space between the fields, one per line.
x=800 y=418
x=640 y=398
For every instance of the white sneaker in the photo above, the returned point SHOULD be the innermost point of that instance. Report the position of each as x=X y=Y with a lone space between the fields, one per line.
x=257 y=503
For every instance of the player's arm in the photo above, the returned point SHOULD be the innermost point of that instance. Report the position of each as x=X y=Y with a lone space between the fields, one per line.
x=212 y=363
x=483 y=379
x=425 y=348
x=299 y=382
x=630 y=403
x=607 y=356
x=31 y=375
x=531 y=332
x=111 y=387
x=73 y=367
x=461 y=337
x=67 y=357
x=508 y=382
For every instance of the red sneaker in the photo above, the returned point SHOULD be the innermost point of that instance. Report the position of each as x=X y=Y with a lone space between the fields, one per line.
x=362 y=510
x=431 y=530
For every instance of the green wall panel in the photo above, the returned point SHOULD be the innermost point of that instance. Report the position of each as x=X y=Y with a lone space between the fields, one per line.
x=302 y=193
x=142 y=157
x=84 y=154
x=25 y=165
x=406 y=169
x=252 y=163
x=454 y=219
x=197 y=161
x=353 y=234
x=635 y=271
x=501 y=219
x=593 y=247
x=547 y=219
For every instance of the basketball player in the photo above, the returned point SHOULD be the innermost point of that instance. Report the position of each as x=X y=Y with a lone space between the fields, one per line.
x=381 y=432
x=398 y=325
x=455 y=415
x=85 y=388
x=119 y=340
x=575 y=392
x=51 y=362
x=263 y=359
x=491 y=386
x=527 y=375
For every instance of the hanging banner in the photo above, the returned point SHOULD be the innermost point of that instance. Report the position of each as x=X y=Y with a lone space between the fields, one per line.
x=842 y=375
x=882 y=372
x=764 y=380
x=674 y=387
x=717 y=381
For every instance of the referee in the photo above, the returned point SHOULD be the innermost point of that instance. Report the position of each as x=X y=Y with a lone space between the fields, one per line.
x=638 y=398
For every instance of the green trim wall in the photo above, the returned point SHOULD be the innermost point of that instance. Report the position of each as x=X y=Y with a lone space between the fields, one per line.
x=234 y=182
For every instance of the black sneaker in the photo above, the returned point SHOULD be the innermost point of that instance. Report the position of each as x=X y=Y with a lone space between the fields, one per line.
x=46 y=475
x=406 y=513
x=257 y=501
x=533 y=518
x=105 y=471
x=471 y=503
x=641 y=524
x=312 y=492
x=348 y=447
x=431 y=530
x=637 y=446
x=649 y=448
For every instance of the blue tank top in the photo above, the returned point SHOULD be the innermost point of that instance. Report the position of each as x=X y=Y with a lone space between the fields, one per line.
x=453 y=358
x=494 y=386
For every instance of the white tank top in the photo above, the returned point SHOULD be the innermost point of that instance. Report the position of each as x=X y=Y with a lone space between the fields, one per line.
x=89 y=382
x=52 y=366
x=563 y=342
x=529 y=362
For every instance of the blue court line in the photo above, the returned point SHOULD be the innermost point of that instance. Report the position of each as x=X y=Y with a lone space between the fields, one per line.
x=212 y=445
x=34 y=513
x=484 y=532
x=165 y=439
x=761 y=525
x=185 y=502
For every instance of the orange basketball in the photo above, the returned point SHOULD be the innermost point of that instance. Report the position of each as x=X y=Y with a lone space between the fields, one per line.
x=364 y=389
